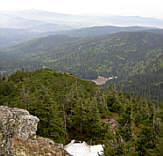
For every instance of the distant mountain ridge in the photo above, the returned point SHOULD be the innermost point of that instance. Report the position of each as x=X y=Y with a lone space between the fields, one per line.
x=84 y=21
x=103 y=30
x=21 y=35
x=38 y=23
x=21 y=21
x=11 y=36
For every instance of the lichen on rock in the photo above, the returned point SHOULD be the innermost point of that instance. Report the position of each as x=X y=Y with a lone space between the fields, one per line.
x=18 y=135
x=15 y=122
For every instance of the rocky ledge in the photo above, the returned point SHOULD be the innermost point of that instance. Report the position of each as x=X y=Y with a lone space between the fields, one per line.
x=18 y=135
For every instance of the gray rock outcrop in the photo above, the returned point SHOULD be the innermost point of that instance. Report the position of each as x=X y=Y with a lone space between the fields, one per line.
x=15 y=122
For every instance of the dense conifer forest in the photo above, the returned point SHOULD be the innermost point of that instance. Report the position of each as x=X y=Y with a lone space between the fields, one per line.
x=125 y=114
x=72 y=108
x=134 y=56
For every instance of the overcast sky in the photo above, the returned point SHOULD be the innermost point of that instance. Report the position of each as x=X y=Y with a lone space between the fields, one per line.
x=146 y=8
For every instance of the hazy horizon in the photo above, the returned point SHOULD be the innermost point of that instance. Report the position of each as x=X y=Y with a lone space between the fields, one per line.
x=143 y=8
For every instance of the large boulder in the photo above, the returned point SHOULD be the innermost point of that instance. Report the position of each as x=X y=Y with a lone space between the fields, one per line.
x=15 y=122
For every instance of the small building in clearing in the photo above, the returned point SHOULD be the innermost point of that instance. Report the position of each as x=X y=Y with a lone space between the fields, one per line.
x=102 y=80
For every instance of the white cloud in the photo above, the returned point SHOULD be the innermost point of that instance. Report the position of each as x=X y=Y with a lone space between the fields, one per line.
x=147 y=8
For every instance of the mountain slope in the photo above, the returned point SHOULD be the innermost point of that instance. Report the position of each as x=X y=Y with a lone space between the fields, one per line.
x=125 y=54
x=122 y=54
x=147 y=85
x=101 y=30
x=119 y=54
x=71 y=108
x=21 y=35
x=36 y=46
x=50 y=27
x=11 y=37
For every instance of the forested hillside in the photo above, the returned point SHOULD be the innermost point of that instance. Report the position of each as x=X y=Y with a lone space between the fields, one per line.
x=39 y=46
x=130 y=56
x=10 y=37
x=146 y=85
x=72 y=108
x=120 y=54
x=89 y=74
